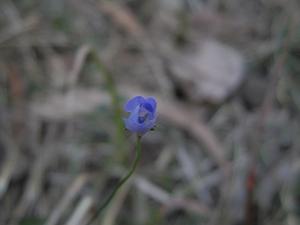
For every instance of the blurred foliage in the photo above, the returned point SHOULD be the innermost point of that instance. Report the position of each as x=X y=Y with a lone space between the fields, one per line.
x=133 y=44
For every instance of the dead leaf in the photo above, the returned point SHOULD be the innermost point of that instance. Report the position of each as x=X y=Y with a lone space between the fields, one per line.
x=74 y=103
x=210 y=73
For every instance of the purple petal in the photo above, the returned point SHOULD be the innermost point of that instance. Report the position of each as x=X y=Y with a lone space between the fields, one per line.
x=132 y=103
x=132 y=123
x=152 y=102
x=148 y=107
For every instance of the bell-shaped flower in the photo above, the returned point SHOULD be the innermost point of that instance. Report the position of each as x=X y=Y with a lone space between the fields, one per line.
x=142 y=114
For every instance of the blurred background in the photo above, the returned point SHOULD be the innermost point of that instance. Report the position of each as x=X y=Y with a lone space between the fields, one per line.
x=226 y=74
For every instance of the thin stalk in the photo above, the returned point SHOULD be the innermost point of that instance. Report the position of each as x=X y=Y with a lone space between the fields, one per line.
x=111 y=87
x=121 y=182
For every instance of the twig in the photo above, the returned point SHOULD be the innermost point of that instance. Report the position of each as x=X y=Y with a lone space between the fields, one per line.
x=66 y=201
x=81 y=210
x=168 y=201
x=10 y=163
x=34 y=183
x=78 y=64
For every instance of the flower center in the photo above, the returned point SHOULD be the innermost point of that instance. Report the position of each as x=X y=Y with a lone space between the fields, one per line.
x=143 y=114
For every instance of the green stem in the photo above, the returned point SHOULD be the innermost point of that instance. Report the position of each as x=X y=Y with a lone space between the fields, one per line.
x=112 y=90
x=121 y=182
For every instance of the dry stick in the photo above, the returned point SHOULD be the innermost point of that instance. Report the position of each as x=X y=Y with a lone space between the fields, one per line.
x=9 y=164
x=72 y=79
x=34 y=182
x=78 y=64
x=169 y=202
x=82 y=208
x=66 y=201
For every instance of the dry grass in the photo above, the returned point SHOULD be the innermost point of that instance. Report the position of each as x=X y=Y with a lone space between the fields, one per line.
x=66 y=67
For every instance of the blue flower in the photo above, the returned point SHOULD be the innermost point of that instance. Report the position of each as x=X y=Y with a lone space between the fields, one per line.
x=142 y=114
